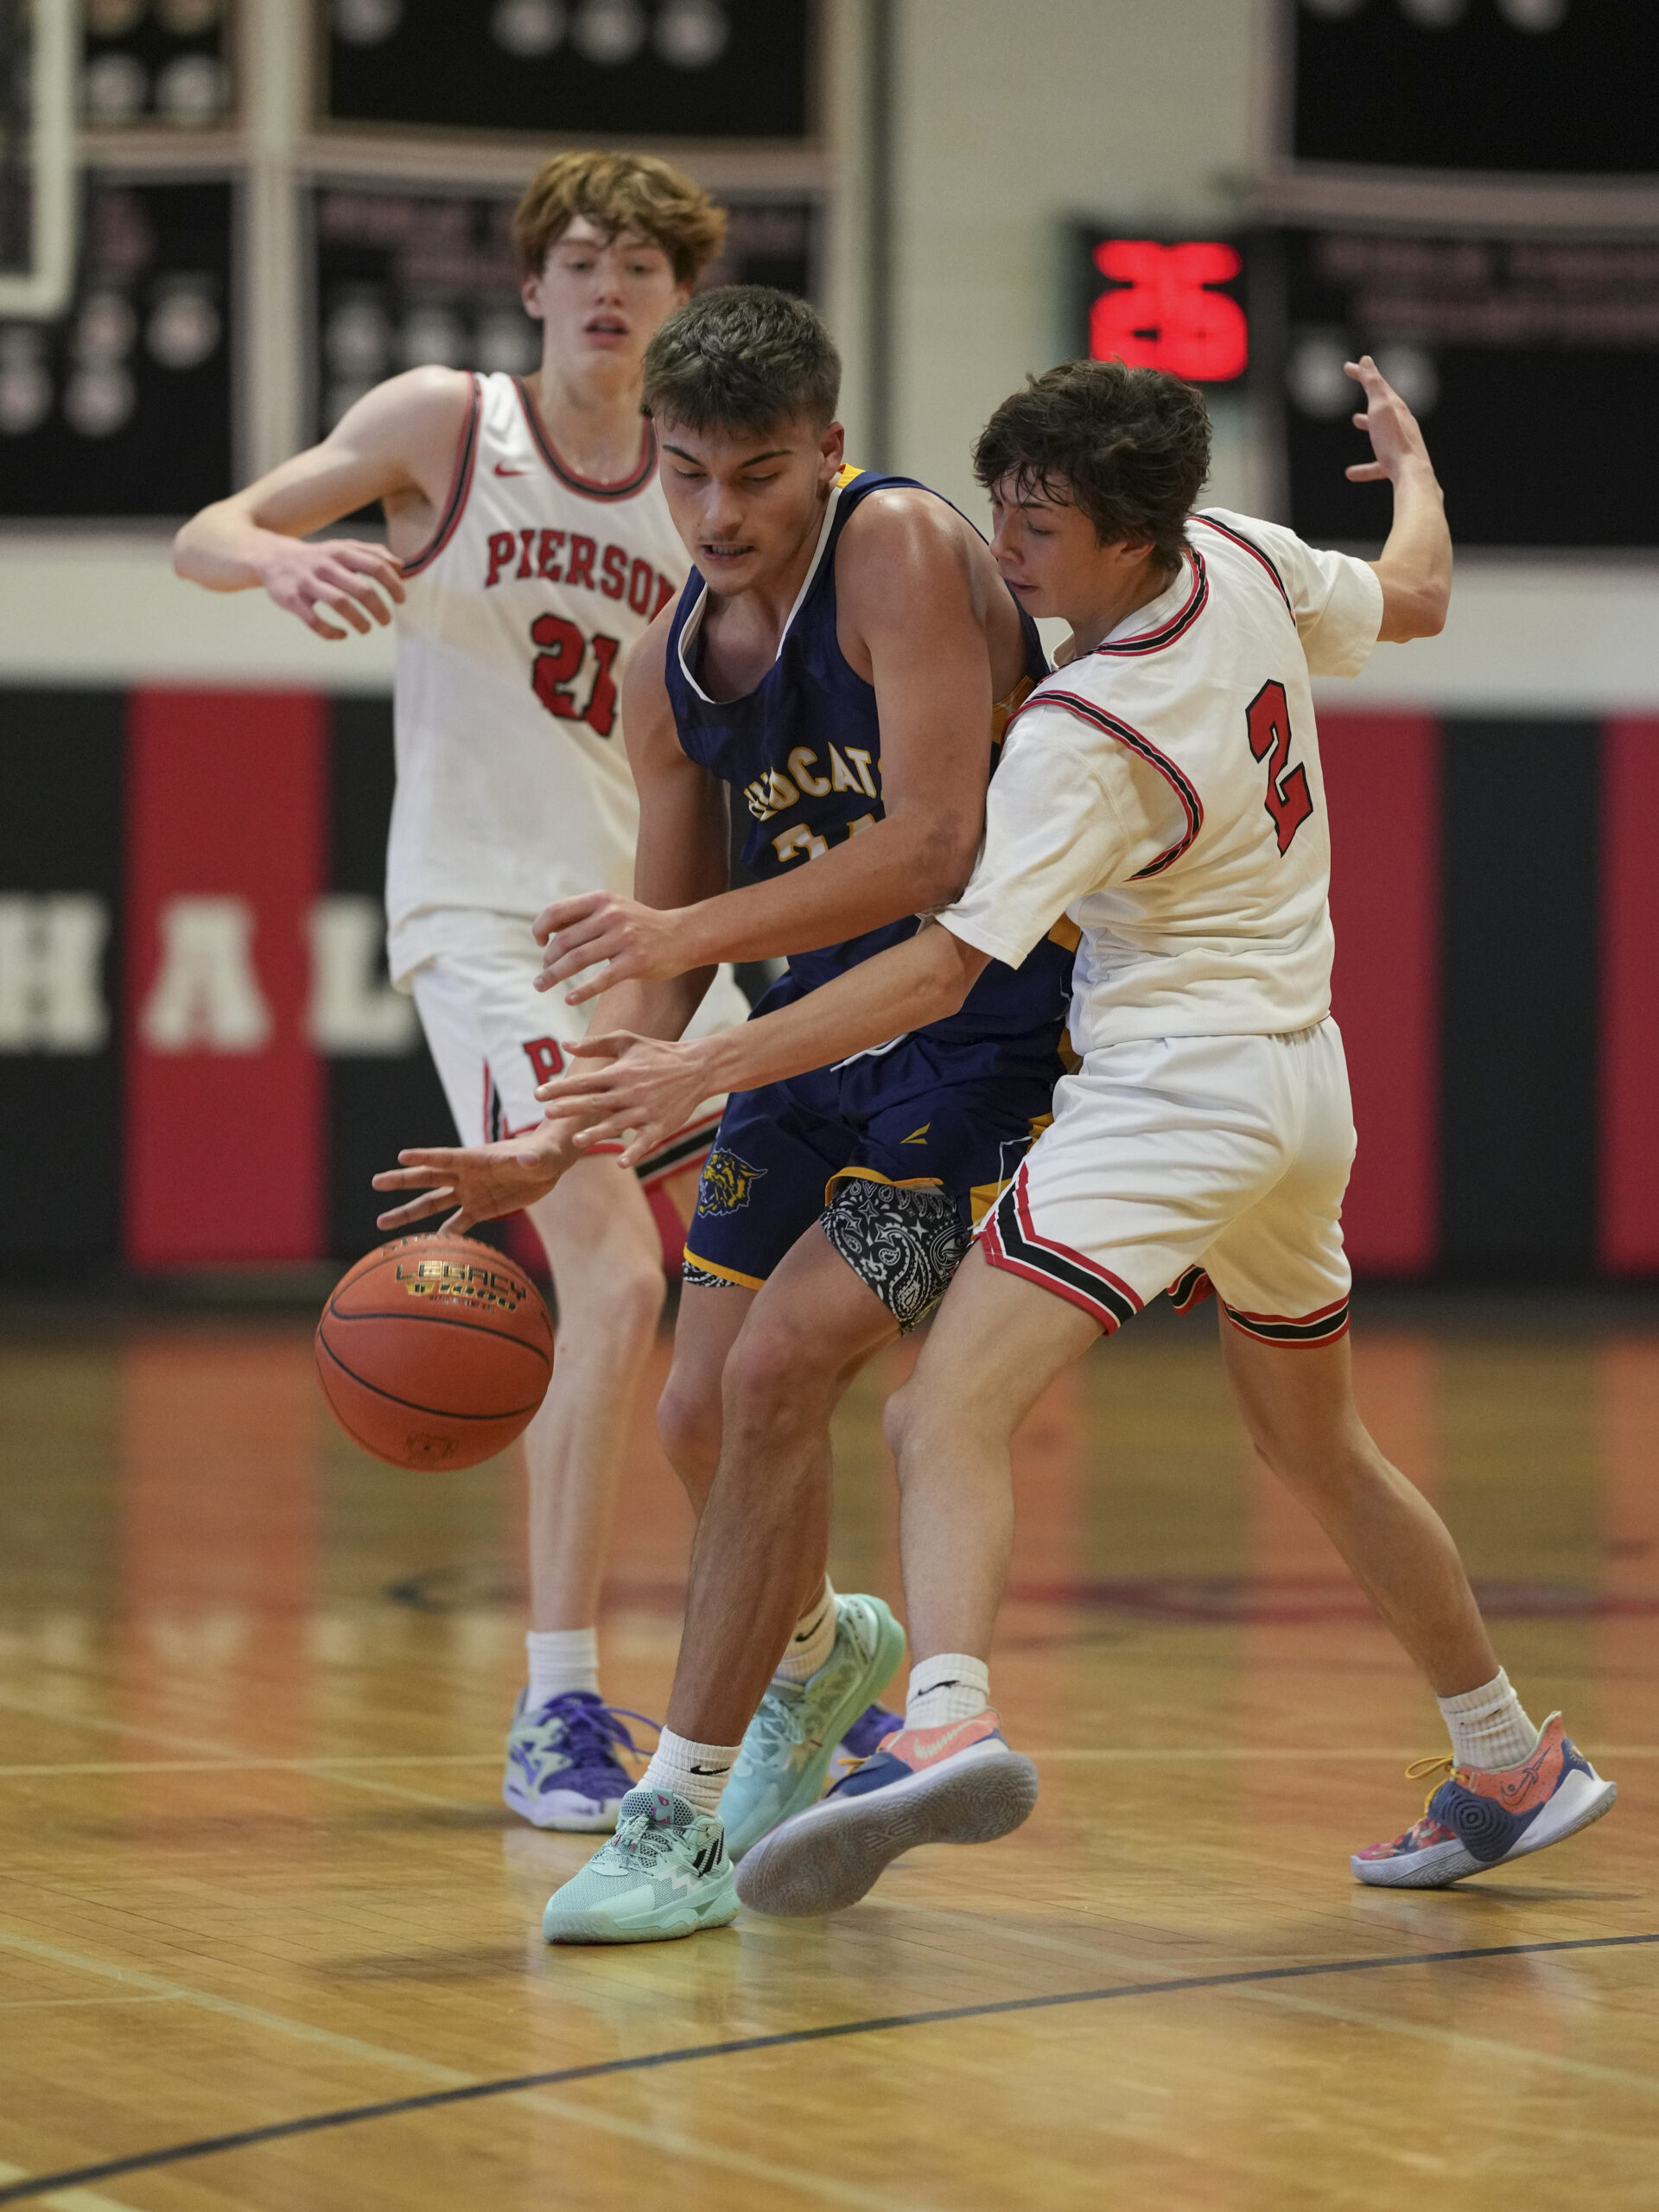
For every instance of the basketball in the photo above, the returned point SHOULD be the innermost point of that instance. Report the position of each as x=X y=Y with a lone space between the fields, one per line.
x=433 y=1352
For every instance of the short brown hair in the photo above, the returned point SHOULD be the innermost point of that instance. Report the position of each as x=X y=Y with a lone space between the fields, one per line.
x=740 y=359
x=1130 y=448
x=618 y=192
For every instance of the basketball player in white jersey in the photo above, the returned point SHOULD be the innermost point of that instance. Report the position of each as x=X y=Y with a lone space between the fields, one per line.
x=1163 y=787
x=529 y=548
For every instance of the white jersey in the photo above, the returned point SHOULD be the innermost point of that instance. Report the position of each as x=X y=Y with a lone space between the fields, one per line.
x=1164 y=791
x=513 y=785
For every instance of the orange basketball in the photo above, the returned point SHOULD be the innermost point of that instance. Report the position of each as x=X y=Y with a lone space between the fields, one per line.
x=433 y=1352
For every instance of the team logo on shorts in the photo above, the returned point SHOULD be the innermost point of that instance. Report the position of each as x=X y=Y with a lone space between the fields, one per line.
x=727 y=1182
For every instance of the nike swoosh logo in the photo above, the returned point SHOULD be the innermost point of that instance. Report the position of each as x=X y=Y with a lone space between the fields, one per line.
x=711 y=1769
x=510 y=472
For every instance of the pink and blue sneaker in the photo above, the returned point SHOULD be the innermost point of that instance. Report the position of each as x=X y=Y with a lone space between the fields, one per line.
x=563 y=1770
x=957 y=1783
x=1482 y=1817
x=862 y=1740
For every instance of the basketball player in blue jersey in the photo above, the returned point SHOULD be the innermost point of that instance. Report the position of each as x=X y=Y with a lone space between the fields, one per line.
x=836 y=660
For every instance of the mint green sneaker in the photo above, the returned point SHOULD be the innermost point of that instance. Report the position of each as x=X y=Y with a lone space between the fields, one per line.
x=664 y=1873
x=791 y=1739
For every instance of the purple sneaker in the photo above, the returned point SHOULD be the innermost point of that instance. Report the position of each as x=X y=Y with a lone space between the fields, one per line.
x=562 y=1768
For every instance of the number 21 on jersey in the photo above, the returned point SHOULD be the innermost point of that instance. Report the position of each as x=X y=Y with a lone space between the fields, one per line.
x=557 y=665
x=1288 y=801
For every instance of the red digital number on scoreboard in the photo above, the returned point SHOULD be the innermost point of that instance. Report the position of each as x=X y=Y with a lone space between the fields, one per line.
x=1162 y=311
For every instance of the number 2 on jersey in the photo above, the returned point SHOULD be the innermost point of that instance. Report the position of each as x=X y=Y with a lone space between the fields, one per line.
x=558 y=664
x=1288 y=802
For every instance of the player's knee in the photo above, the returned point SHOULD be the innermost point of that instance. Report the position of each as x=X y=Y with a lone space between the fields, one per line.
x=916 y=1420
x=622 y=1299
x=898 y=1422
x=688 y=1422
x=776 y=1376
x=1317 y=1460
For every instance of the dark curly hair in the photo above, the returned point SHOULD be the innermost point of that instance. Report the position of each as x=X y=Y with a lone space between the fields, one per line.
x=1128 y=447
x=742 y=358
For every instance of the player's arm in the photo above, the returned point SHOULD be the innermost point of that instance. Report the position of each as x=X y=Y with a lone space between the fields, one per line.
x=907 y=602
x=1059 y=824
x=642 y=1088
x=1415 y=569
x=399 y=439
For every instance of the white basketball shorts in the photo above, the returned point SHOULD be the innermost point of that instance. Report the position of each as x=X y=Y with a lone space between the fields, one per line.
x=494 y=1036
x=1186 y=1164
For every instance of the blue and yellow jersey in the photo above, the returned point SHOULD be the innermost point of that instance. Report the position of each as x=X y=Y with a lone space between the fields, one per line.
x=801 y=753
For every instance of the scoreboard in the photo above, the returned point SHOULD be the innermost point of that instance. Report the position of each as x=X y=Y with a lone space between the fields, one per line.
x=1527 y=87
x=375 y=214
x=122 y=406
x=1530 y=359
x=671 y=68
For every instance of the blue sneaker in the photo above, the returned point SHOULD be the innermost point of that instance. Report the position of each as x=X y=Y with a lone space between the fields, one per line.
x=1481 y=1817
x=957 y=1783
x=788 y=1746
x=664 y=1873
x=862 y=1740
x=563 y=1770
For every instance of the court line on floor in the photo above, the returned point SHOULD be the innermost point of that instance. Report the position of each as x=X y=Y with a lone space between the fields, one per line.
x=518 y=2084
x=1241 y=1751
x=213 y=1754
x=1458 y=2039
x=1283 y=2000
x=56 y=2004
x=566 y=2109
x=326 y=1760
x=66 y=2200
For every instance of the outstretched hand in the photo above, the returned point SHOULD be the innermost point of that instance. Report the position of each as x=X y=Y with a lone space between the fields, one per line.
x=1396 y=442
x=480 y=1182
x=637 y=942
x=638 y=1088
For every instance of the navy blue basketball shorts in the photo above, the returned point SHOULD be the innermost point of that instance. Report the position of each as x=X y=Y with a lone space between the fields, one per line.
x=895 y=1163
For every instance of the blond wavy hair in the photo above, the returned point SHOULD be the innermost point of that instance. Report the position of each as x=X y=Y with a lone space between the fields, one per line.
x=618 y=192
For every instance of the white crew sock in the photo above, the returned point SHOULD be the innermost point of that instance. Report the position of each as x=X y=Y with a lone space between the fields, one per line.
x=1489 y=1728
x=561 y=1659
x=811 y=1640
x=697 y=1772
x=949 y=1687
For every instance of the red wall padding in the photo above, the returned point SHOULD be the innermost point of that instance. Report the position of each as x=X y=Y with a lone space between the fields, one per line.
x=224 y=1147
x=1382 y=785
x=1628 y=1191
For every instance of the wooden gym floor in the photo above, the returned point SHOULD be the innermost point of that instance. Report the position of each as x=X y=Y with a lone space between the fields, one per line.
x=269 y=1940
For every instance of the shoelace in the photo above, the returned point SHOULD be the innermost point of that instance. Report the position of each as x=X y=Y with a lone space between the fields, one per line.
x=638 y=1837
x=779 y=1721
x=591 y=1730
x=1441 y=1765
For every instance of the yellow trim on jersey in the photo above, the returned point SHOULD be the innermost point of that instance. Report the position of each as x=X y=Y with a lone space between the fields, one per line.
x=981 y=1198
x=1003 y=710
x=726 y=1274
x=846 y=474
x=869 y=1175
